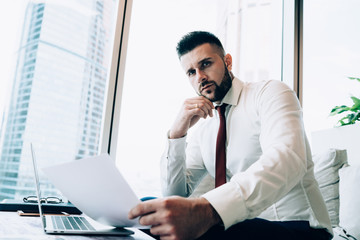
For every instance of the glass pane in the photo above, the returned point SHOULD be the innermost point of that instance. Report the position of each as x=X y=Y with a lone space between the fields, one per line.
x=55 y=85
x=254 y=36
x=155 y=85
x=331 y=55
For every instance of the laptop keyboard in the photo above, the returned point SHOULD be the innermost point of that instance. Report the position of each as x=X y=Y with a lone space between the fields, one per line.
x=71 y=223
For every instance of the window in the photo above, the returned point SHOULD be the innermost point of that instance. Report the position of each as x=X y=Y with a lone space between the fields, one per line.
x=254 y=32
x=55 y=90
x=155 y=85
x=59 y=90
x=331 y=55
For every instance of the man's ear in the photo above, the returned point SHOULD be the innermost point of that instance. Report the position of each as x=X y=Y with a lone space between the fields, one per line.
x=228 y=61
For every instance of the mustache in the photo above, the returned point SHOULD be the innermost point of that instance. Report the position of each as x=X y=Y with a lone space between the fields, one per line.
x=205 y=83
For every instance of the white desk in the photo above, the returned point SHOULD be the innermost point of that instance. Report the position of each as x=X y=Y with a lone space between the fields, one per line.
x=14 y=227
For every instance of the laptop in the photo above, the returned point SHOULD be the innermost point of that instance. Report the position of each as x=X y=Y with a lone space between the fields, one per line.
x=71 y=224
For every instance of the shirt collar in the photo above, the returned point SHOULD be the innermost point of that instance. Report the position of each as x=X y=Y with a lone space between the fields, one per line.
x=232 y=97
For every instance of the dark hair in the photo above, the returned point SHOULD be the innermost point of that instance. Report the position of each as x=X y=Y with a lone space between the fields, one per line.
x=194 y=39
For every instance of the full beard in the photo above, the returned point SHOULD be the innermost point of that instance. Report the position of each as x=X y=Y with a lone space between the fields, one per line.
x=220 y=90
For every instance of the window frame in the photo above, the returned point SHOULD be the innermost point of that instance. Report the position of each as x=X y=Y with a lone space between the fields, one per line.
x=116 y=79
x=291 y=72
x=292 y=45
x=298 y=49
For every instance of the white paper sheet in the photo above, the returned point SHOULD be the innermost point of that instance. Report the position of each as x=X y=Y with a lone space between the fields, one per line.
x=97 y=188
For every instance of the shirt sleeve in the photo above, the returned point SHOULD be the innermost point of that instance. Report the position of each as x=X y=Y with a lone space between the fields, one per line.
x=281 y=166
x=181 y=166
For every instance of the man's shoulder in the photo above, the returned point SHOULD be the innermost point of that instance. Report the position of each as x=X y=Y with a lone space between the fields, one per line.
x=266 y=84
x=266 y=87
x=253 y=90
x=265 y=91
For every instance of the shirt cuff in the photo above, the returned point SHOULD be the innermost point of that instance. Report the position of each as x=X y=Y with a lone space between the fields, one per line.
x=231 y=208
x=175 y=148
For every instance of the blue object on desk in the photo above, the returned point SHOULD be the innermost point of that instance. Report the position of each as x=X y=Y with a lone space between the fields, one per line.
x=147 y=198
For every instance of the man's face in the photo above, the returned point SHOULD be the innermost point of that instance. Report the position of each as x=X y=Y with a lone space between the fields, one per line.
x=208 y=72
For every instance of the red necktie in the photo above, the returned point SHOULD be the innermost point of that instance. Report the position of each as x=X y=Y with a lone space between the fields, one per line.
x=220 y=165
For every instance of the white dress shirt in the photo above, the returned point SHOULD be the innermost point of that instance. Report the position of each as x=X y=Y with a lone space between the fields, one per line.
x=268 y=159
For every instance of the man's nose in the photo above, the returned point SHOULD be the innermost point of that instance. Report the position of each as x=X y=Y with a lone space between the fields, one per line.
x=201 y=76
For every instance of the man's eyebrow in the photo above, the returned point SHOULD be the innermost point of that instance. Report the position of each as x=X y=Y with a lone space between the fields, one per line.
x=204 y=60
x=199 y=64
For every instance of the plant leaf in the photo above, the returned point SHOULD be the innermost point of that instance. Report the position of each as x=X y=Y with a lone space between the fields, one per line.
x=342 y=123
x=355 y=99
x=357 y=117
x=351 y=117
x=356 y=105
x=354 y=78
x=339 y=109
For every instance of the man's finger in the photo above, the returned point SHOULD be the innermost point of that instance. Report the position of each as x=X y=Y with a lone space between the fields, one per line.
x=149 y=219
x=207 y=106
x=200 y=112
x=201 y=108
x=161 y=230
x=143 y=209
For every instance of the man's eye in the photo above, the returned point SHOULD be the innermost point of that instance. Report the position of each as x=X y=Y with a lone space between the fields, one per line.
x=206 y=64
x=190 y=73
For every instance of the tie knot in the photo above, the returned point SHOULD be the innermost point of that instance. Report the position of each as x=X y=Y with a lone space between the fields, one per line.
x=221 y=109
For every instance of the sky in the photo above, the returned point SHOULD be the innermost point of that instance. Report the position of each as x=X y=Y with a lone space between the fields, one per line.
x=11 y=20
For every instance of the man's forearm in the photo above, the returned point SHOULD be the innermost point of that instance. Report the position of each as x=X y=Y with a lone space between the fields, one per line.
x=172 y=168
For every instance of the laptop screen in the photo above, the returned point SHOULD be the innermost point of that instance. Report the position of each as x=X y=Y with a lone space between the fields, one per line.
x=37 y=183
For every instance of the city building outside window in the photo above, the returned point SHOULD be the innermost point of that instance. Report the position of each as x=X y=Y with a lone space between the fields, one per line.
x=53 y=86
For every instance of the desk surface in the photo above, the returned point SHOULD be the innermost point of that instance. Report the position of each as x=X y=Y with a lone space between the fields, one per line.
x=14 y=227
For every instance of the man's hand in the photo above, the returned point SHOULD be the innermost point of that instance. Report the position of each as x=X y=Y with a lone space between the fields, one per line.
x=192 y=110
x=176 y=217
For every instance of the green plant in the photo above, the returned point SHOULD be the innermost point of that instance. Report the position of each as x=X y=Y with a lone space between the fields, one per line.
x=353 y=111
